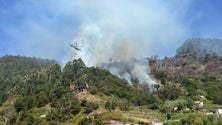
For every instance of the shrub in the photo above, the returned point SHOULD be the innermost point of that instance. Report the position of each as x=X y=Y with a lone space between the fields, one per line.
x=90 y=107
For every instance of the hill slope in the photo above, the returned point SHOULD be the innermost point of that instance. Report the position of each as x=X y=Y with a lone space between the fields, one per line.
x=195 y=57
x=62 y=95
x=80 y=95
x=20 y=65
x=201 y=46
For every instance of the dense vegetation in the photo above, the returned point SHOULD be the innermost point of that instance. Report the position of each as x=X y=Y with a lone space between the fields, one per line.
x=11 y=66
x=37 y=91
x=56 y=91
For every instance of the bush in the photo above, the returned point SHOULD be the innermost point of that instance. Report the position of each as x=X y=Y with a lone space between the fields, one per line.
x=75 y=107
x=198 y=120
x=19 y=105
x=163 y=81
x=85 y=121
x=91 y=121
x=124 y=105
x=41 y=99
x=110 y=105
x=90 y=107
x=173 y=123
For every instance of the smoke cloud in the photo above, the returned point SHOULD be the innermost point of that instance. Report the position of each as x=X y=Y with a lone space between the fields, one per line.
x=110 y=31
x=143 y=27
x=116 y=35
x=131 y=70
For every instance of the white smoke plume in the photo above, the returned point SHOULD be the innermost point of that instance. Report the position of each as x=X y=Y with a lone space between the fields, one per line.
x=131 y=70
x=116 y=34
x=120 y=56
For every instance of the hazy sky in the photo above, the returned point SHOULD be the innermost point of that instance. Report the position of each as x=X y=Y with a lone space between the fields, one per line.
x=44 y=28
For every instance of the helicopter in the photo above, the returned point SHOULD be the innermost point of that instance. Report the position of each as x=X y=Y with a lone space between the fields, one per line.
x=76 y=47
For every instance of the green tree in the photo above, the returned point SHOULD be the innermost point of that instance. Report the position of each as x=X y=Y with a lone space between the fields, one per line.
x=90 y=106
x=41 y=99
x=124 y=105
x=170 y=92
x=111 y=105
x=3 y=96
x=29 y=102
x=75 y=106
x=19 y=105
x=85 y=121
x=54 y=74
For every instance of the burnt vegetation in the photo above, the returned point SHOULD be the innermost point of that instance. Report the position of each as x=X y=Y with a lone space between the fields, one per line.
x=195 y=67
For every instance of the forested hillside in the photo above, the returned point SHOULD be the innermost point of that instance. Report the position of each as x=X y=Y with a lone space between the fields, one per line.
x=20 y=65
x=37 y=91
x=60 y=95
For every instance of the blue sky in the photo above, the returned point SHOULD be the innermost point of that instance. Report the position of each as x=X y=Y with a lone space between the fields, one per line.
x=207 y=18
x=44 y=28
